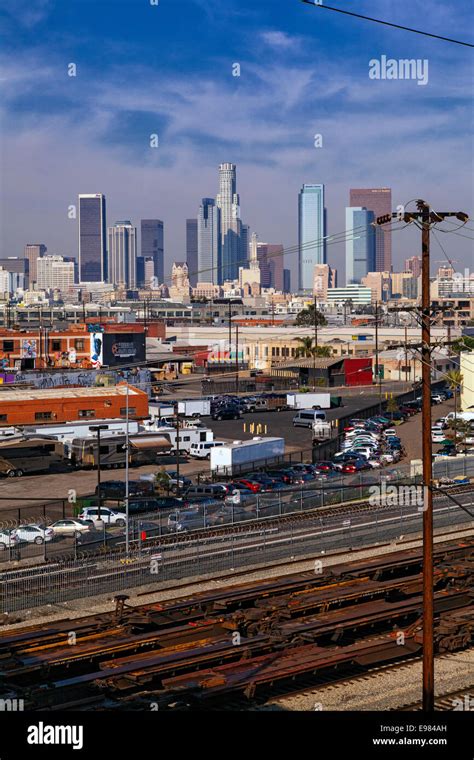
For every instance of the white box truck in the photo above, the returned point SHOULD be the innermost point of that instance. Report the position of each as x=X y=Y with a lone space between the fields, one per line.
x=199 y=407
x=232 y=458
x=309 y=400
x=321 y=431
x=187 y=436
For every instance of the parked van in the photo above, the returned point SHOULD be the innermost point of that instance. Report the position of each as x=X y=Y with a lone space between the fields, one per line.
x=202 y=450
x=307 y=417
x=211 y=490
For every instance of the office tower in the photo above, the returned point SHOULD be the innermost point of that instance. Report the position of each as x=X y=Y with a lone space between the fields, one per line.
x=192 y=250
x=92 y=238
x=311 y=233
x=17 y=266
x=244 y=245
x=209 y=242
x=325 y=277
x=380 y=285
x=149 y=273
x=360 y=245
x=228 y=202
x=54 y=273
x=270 y=258
x=123 y=255
x=152 y=245
x=34 y=251
x=378 y=200
x=413 y=265
x=286 y=281
x=140 y=272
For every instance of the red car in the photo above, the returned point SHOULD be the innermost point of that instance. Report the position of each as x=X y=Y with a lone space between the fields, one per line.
x=252 y=485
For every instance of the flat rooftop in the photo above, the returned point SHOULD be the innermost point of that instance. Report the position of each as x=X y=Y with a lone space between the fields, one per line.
x=36 y=394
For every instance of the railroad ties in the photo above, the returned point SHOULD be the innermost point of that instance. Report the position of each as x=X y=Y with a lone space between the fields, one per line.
x=244 y=642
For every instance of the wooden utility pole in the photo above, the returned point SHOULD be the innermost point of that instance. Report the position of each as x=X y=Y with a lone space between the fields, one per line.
x=425 y=217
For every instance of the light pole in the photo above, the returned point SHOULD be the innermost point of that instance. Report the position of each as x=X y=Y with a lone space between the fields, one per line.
x=97 y=429
x=178 y=489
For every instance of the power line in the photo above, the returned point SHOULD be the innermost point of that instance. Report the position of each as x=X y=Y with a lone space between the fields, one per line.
x=387 y=23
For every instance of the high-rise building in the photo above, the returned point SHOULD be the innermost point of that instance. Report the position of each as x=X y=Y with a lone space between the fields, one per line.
x=92 y=238
x=286 y=281
x=413 y=265
x=228 y=202
x=152 y=245
x=378 y=200
x=192 y=249
x=123 y=255
x=54 y=273
x=34 y=251
x=311 y=233
x=209 y=242
x=17 y=266
x=360 y=245
x=380 y=285
x=270 y=259
x=324 y=278
x=244 y=245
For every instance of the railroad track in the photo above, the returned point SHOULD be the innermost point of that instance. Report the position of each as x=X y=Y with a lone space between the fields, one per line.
x=459 y=700
x=242 y=643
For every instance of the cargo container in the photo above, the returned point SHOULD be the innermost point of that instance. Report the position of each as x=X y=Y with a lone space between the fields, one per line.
x=309 y=400
x=321 y=431
x=239 y=456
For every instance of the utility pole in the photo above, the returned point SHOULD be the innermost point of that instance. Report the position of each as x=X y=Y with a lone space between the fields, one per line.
x=315 y=344
x=406 y=353
x=424 y=218
x=237 y=357
x=377 y=366
x=178 y=489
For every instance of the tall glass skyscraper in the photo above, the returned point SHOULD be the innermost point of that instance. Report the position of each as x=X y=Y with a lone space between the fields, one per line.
x=378 y=200
x=123 y=255
x=228 y=202
x=92 y=238
x=311 y=231
x=209 y=242
x=152 y=245
x=192 y=250
x=360 y=244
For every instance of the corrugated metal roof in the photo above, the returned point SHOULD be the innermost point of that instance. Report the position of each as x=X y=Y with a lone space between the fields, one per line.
x=319 y=363
x=38 y=394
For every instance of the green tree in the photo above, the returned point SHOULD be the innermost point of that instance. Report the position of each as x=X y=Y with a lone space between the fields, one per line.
x=307 y=317
x=306 y=348
x=463 y=344
x=392 y=405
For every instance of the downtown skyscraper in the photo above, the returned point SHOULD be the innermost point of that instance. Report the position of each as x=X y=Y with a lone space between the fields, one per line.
x=192 y=250
x=152 y=245
x=378 y=200
x=360 y=244
x=232 y=241
x=311 y=233
x=122 y=260
x=92 y=238
x=209 y=242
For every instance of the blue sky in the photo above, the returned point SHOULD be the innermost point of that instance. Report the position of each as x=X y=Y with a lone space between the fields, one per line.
x=167 y=69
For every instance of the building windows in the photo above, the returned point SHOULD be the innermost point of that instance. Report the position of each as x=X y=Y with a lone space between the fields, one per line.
x=79 y=344
x=8 y=345
x=43 y=415
x=131 y=410
x=86 y=413
x=56 y=345
x=3 y=417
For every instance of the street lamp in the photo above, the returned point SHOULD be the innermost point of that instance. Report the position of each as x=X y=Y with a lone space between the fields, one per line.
x=97 y=429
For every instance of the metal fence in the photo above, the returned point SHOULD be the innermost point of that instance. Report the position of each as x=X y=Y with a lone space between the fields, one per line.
x=154 y=566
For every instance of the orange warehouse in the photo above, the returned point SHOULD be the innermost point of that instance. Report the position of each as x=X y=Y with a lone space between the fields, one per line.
x=31 y=405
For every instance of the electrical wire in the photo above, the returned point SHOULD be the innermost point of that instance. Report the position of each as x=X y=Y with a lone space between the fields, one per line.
x=387 y=23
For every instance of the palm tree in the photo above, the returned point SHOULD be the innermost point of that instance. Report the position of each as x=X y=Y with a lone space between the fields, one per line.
x=306 y=349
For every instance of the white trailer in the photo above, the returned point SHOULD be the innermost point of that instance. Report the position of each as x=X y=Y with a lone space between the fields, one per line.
x=199 y=407
x=187 y=436
x=308 y=400
x=461 y=417
x=160 y=411
x=232 y=458
x=68 y=431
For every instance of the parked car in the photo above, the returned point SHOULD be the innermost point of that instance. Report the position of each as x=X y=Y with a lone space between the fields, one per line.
x=202 y=449
x=109 y=516
x=252 y=485
x=71 y=527
x=115 y=489
x=354 y=466
x=33 y=534
x=172 y=481
x=226 y=412
x=8 y=539
x=324 y=466
x=210 y=490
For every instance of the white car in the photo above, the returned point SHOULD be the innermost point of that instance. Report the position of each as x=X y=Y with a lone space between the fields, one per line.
x=390 y=431
x=109 y=516
x=374 y=463
x=33 y=534
x=71 y=527
x=437 y=436
x=7 y=540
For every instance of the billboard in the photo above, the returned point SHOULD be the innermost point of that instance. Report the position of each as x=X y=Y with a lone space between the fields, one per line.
x=97 y=349
x=123 y=348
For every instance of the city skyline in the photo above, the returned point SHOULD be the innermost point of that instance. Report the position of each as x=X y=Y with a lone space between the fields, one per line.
x=264 y=120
